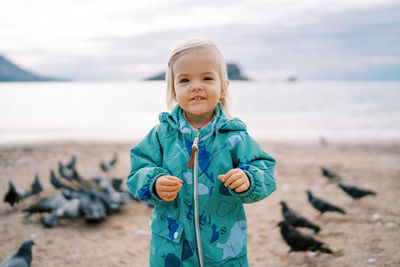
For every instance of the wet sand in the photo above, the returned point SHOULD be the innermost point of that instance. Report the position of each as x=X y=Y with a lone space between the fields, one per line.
x=123 y=239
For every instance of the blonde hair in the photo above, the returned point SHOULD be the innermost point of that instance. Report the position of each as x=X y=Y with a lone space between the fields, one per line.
x=197 y=45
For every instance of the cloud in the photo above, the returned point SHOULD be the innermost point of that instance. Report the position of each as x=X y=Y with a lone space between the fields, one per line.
x=384 y=60
x=97 y=40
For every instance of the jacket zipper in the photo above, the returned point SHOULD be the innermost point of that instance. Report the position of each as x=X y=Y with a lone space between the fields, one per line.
x=194 y=159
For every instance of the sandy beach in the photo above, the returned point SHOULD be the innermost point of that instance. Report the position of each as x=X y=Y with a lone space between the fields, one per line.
x=358 y=238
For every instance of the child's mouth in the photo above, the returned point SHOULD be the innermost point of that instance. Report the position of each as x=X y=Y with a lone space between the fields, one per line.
x=197 y=98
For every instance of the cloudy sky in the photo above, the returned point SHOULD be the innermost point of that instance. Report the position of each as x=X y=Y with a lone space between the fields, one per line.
x=269 y=39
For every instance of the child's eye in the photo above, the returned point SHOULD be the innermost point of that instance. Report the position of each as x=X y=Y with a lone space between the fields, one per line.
x=208 y=78
x=184 y=80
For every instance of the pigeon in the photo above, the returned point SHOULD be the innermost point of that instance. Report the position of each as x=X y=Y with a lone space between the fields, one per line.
x=107 y=187
x=110 y=205
x=22 y=258
x=69 y=210
x=321 y=205
x=69 y=171
x=15 y=194
x=127 y=197
x=331 y=175
x=77 y=177
x=92 y=208
x=107 y=166
x=71 y=165
x=117 y=184
x=47 y=204
x=65 y=172
x=300 y=242
x=57 y=183
x=71 y=194
x=295 y=220
x=36 y=187
x=354 y=192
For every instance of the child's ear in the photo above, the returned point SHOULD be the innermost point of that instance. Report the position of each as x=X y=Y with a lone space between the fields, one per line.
x=173 y=94
x=223 y=90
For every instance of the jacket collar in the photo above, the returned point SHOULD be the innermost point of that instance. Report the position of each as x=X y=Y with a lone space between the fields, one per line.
x=220 y=122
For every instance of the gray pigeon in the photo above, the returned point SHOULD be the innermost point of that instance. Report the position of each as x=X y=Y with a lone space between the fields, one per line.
x=15 y=194
x=110 y=205
x=57 y=183
x=22 y=258
x=126 y=196
x=71 y=165
x=64 y=171
x=92 y=207
x=106 y=166
x=70 y=210
x=107 y=187
x=117 y=184
x=36 y=187
x=47 y=204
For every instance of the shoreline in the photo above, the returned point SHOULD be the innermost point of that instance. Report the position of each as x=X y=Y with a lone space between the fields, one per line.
x=310 y=141
x=383 y=146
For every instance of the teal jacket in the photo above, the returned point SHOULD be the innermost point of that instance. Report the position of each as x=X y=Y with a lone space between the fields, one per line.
x=224 y=144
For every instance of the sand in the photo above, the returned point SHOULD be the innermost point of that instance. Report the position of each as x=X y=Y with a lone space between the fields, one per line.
x=123 y=239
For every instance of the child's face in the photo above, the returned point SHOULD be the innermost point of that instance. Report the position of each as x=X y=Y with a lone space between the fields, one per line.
x=197 y=84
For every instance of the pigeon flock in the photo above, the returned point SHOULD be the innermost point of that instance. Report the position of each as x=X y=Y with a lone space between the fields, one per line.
x=291 y=219
x=94 y=198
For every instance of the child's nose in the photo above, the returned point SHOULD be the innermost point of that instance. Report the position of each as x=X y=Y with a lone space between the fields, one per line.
x=196 y=86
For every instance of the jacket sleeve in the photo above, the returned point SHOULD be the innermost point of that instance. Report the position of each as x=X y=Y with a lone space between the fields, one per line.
x=258 y=166
x=146 y=167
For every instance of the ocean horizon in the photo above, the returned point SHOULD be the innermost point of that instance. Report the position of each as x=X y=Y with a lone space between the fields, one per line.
x=336 y=111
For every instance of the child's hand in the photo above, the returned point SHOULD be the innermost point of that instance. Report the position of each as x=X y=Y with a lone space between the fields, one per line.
x=167 y=187
x=236 y=179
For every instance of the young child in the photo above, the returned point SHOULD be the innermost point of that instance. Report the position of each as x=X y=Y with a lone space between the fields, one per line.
x=198 y=166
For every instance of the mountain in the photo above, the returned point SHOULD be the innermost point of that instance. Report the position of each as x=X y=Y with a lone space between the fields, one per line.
x=234 y=73
x=10 y=72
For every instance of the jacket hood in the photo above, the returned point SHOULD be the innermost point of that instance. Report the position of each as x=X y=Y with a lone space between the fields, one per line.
x=220 y=122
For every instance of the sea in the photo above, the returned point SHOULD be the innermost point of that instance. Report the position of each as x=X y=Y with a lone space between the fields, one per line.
x=272 y=110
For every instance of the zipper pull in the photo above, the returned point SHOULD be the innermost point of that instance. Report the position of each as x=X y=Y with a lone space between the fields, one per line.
x=195 y=147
